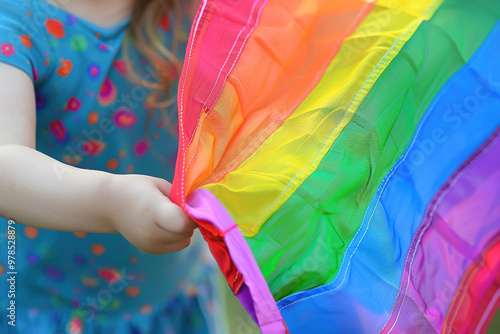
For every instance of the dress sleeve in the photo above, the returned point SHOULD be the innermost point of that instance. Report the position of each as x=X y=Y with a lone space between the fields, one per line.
x=23 y=43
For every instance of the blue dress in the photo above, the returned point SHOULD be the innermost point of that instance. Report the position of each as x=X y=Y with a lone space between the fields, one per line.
x=90 y=115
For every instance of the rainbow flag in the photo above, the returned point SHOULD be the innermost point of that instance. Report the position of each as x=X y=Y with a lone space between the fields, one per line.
x=342 y=160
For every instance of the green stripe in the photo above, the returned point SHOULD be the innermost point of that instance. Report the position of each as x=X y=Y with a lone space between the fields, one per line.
x=302 y=245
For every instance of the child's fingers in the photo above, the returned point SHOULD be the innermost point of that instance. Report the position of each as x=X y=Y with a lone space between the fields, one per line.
x=172 y=219
x=163 y=186
x=165 y=247
x=178 y=246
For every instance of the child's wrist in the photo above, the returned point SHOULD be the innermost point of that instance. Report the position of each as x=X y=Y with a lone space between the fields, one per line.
x=103 y=201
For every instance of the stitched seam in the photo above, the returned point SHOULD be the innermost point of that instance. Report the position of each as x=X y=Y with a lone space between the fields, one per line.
x=456 y=307
x=382 y=188
x=235 y=278
x=487 y=312
x=215 y=84
x=228 y=230
x=326 y=139
x=281 y=116
x=257 y=20
x=230 y=51
x=246 y=150
x=182 y=103
x=428 y=222
x=197 y=143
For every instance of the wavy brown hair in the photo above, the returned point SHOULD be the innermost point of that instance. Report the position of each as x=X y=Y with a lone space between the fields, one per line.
x=144 y=35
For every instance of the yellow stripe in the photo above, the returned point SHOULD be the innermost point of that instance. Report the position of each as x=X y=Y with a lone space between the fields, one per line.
x=259 y=186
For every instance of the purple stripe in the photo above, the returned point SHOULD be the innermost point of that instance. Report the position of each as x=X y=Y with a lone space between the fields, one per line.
x=462 y=218
x=256 y=296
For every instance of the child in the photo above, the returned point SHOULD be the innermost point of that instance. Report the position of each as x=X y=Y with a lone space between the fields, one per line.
x=93 y=84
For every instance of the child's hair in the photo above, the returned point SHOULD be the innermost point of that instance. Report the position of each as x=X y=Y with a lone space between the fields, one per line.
x=144 y=34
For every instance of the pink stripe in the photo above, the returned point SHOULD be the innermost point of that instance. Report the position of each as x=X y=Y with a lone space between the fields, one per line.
x=203 y=205
x=221 y=26
x=230 y=23
x=467 y=205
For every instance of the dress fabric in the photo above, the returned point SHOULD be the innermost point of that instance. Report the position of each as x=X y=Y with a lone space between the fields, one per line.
x=90 y=115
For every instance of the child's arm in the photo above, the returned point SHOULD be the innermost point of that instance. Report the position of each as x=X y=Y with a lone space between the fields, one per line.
x=39 y=191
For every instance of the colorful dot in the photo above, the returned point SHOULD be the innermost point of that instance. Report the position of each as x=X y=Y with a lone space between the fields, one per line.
x=122 y=154
x=26 y=41
x=80 y=235
x=71 y=20
x=31 y=232
x=94 y=71
x=133 y=291
x=58 y=130
x=79 y=259
x=73 y=105
x=127 y=316
x=172 y=159
x=7 y=49
x=33 y=311
x=112 y=164
x=53 y=43
x=89 y=281
x=120 y=66
x=110 y=275
x=75 y=326
x=115 y=304
x=124 y=118
x=71 y=160
x=55 y=28
x=140 y=148
x=35 y=74
x=108 y=93
x=33 y=258
x=57 y=301
x=191 y=290
x=130 y=169
x=146 y=309
x=2 y=269
x=93 y=147
x=78 y=43
x=40 y=101
x=53 y=272
x=160 y=124
x=97 y=249
x=151 y=101
x=134 y=259
x=165 y=22
x=66 y=67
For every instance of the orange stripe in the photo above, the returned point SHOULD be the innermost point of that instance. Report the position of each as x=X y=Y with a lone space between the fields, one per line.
x=289 y=50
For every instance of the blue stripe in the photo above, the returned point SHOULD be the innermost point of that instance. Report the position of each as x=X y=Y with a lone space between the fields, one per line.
x=462 y=116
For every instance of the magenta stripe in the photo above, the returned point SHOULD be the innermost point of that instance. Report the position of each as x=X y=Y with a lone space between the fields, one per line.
x=461 y=219
x=219 y=32
x=203 y=205
x=228 y=26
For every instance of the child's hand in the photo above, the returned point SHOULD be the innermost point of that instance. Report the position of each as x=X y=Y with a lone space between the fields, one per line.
x=140 y=209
